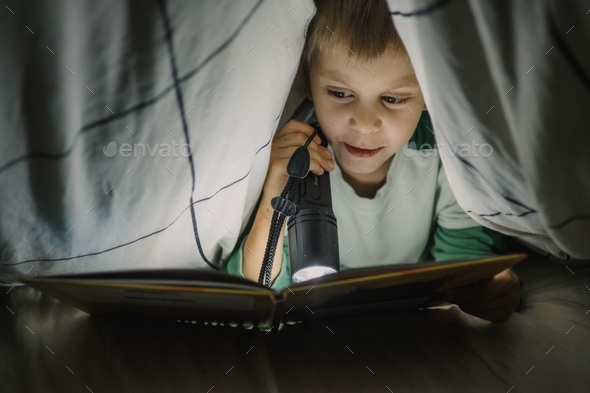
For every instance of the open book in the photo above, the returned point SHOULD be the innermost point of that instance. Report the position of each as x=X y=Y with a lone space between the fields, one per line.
x=210 y=296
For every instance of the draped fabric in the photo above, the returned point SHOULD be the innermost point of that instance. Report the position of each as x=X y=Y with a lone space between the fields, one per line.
x=103 y=104
x=513 y=77
x=137 y=134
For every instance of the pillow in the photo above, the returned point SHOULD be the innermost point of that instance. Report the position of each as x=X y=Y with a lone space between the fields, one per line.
x=137 y=134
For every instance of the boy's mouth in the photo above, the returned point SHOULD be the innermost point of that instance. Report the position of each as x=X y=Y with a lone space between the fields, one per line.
x=363 y=153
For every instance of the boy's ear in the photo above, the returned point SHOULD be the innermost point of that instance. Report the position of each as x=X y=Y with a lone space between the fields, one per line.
x=303 y=77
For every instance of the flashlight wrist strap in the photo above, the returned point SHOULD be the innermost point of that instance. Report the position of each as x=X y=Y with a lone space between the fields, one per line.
x=285 y=205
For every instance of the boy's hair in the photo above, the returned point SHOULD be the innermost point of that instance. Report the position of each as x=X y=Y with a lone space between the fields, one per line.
x=364 y=26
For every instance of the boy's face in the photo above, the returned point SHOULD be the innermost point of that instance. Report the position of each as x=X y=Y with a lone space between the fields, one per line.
x=367 y=110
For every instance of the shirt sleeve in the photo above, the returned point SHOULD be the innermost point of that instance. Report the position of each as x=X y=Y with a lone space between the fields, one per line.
x=465 y=243
x=457 y=236
x=448 y=212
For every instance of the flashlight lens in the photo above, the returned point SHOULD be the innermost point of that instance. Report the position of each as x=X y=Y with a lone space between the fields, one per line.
x=311 y=272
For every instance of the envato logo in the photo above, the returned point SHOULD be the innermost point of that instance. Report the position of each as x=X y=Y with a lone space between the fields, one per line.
x=163 y=150
x=463 y=150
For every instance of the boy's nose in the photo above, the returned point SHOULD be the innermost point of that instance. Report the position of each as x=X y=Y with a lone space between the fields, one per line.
x=364 y=123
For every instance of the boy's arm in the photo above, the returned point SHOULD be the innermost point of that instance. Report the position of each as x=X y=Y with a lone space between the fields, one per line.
x=457 y=237
x=285 y=142
x=283 y=279
x=235 y=263
x=255 y=243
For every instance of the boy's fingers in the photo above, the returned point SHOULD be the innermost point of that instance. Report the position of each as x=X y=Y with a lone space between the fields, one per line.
x=285 y=153
x=286 y=148
x=468 y=293
x=279 y=159
x=293 y=139
x=495 y=310
x=475 y=294
x=503 y=283
x=293 y=126
x=319 y=160
x=508 y=301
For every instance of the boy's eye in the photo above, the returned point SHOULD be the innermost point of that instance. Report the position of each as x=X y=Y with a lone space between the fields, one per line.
x=338 y=94
x=393 y=100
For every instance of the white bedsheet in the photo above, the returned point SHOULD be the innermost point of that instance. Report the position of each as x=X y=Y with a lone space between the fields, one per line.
x=79 y=77
x=515 y=76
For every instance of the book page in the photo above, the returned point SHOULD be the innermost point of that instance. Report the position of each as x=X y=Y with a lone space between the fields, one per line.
x=178 y=294
x=387 y=284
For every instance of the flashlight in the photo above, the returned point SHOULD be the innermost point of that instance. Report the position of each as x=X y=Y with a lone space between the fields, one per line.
x=313 y=230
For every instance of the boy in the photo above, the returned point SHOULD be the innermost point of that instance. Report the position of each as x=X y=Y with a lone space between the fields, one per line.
x=390 y=207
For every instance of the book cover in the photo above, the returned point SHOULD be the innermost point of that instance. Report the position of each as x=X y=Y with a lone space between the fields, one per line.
x=210 y=296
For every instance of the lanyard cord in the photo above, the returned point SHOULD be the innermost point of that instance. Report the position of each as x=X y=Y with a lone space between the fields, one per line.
x=285 y=205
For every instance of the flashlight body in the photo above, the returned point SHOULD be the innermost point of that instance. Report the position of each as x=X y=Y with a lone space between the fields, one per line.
x=313 y=231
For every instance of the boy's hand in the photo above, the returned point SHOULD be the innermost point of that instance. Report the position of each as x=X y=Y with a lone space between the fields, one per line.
x=293 y=135
x=494 y=299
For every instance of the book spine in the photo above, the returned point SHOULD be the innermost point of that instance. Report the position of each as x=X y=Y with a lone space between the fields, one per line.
x=278 y=313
